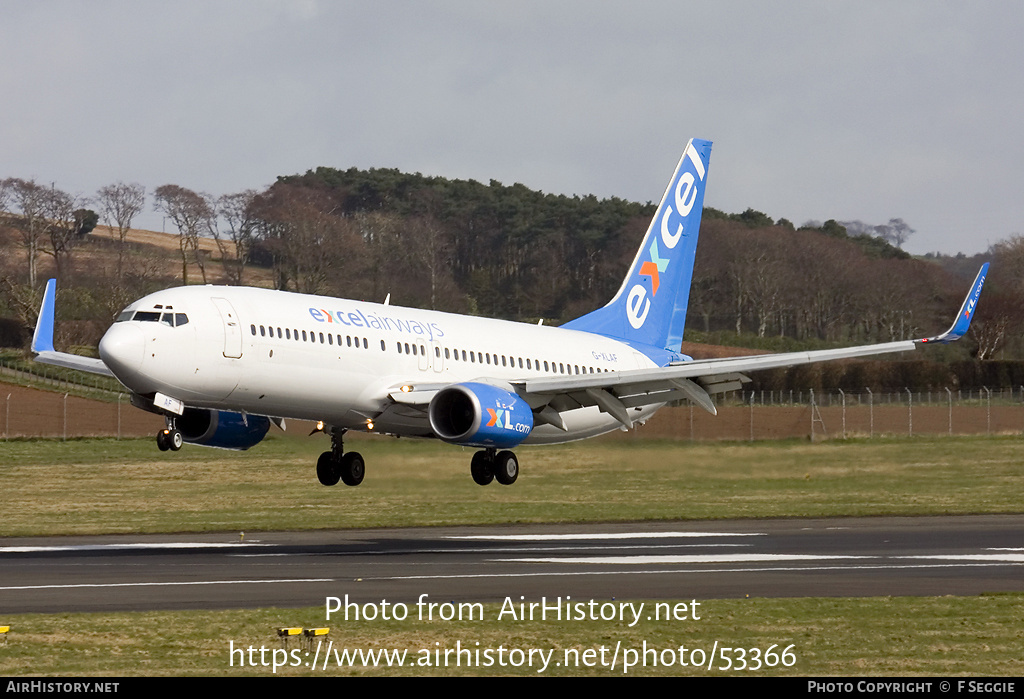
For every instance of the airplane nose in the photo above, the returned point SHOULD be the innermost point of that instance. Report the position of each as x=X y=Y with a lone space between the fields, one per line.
x=122 y=349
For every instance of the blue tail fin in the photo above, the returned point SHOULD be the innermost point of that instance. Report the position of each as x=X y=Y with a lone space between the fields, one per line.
x=650 y=306
x=42 y=338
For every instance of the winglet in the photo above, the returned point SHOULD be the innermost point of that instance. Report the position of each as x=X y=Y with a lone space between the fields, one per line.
x=42 y=339
x=963 y=318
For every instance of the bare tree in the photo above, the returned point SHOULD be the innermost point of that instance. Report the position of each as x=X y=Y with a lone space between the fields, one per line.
x=895 y=232
x=424 y=240
x=62 y=227
x=900 y=231
x=305 y=236
x=379 y=233
x=238 y=213
x=119 y=204
x=192 y=214
x=29 y=201
x=6 y=188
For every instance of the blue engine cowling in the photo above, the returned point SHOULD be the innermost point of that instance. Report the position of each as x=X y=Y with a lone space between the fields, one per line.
x=480 y=415
x=221 y=428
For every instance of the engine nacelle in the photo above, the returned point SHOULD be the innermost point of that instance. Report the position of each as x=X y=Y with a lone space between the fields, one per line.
x=221 y=428
x=480 y=415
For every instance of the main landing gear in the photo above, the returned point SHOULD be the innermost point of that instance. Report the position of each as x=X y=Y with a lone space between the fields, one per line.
x=335 y=465
x=490 y=464
x=169 y=437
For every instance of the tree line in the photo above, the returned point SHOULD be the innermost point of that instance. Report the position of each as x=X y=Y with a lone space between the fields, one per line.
x=499 y=250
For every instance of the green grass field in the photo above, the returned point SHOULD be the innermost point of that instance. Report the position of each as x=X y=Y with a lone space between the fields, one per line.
x=109 y=486
x=879 y=637
x=106 y=486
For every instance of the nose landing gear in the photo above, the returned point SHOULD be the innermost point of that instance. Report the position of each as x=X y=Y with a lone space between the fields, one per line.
x=169 y=437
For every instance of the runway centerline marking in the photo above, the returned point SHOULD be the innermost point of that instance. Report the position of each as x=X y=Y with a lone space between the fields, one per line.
x=714 y=558
x=699 y=571
x=504 y=549
x=610 y=535
x=1007 y=557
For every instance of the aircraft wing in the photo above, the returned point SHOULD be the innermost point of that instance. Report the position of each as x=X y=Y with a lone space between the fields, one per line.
x=616 y=392
x=42 y=340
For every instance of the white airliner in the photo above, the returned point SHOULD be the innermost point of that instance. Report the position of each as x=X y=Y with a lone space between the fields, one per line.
x=221 y=363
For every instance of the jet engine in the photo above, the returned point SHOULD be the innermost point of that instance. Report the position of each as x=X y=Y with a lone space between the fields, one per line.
x=480 y=415
x=222 y=428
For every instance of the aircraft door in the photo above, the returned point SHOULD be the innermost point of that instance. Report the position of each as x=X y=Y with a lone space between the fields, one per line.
x=424 y=362
x=436 y=356
x=232 y=328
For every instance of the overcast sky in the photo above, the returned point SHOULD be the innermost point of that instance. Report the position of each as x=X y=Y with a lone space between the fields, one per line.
x=846 y=110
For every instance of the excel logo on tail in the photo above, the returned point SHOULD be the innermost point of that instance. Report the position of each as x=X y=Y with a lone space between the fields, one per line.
x=667 y=230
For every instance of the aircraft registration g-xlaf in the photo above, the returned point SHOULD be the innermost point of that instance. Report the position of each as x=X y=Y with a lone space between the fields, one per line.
x=221 y=363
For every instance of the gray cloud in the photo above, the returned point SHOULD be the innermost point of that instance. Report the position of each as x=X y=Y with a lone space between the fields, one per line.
x=847 y=110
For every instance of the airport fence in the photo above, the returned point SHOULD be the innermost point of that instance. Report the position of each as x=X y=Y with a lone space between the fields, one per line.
x=32 y=412
x=15 y=369
x=749 y=416
x=759 y=415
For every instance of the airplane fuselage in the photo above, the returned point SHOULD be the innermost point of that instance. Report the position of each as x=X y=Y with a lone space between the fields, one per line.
x=300 y=356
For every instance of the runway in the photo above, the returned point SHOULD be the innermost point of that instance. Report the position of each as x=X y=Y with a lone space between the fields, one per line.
x=663 y=560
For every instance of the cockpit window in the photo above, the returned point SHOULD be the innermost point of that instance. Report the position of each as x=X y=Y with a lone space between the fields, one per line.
x=166 y=317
